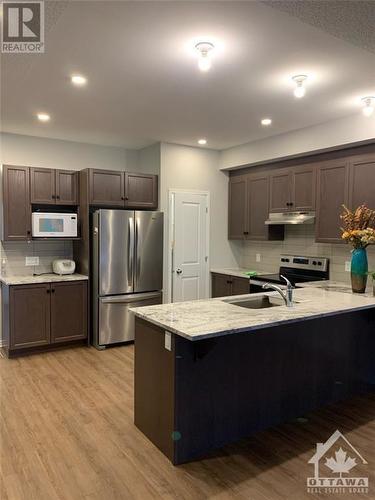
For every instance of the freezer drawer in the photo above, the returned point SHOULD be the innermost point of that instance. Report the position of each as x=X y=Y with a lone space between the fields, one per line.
x=116 y=322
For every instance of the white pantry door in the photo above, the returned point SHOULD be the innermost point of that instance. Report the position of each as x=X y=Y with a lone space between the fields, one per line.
x=190 y=247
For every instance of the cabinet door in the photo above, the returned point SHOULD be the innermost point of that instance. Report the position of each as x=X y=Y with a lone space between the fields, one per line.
x=106 y=188
x=17 y=207
x=240 y=286
x=141 y=190
x=29 y=311
x=221 y=285
x=257 y=206
x=304 y=187
x=42 y=186
x=362 y=182
x=66 y=187
x=237 y=208
x=68 y=311
x=332 y=193
x=280 y=191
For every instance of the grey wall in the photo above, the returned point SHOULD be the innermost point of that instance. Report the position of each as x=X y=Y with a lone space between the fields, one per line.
x=346 y=131
x=184 y=167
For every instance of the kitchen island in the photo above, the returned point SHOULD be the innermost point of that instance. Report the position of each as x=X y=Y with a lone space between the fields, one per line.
x=211 y=372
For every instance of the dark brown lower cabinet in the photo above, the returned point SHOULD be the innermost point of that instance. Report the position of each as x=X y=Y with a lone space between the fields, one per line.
x=29 y=307
x=41 y=315
x=68 y=311
x=224 y=285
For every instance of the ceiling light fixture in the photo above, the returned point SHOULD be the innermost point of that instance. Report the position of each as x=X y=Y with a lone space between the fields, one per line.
x=43 y=117
x=266 y=121
x=202 y=142
x=204 y=49
x=300 y=89
x=368 y=105
x=79 y=80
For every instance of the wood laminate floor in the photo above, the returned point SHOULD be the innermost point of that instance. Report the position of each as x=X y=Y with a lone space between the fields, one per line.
x=67 y=433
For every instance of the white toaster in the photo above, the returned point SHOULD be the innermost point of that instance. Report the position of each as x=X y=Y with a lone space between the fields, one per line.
x=63 y=266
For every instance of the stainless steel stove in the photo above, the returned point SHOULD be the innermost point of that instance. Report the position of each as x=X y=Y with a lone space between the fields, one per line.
x=297 y=268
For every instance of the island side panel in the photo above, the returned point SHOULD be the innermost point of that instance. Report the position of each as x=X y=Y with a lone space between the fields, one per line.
x=154 y=391
x=229 y=387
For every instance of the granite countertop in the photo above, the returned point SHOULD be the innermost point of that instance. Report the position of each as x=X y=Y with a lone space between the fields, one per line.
x=201 y=319
x=43 y=278
x=238 y=271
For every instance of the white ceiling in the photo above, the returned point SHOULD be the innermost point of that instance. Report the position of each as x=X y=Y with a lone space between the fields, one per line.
x=144 y=85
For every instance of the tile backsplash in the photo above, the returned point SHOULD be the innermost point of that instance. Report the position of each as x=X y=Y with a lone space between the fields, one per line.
x=13 y=256
x=301 y=240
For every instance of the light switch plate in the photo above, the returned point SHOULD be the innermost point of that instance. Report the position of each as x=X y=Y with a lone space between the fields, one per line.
x=347 y=266
x=32 y=261
x=258 y=257
x=168 y=341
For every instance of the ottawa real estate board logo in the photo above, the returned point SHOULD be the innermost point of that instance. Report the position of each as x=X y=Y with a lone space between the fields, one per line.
x=22 y=27
x=338 y=468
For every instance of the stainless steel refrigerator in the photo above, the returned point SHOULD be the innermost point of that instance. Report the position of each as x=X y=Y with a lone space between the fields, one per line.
x=127 y=270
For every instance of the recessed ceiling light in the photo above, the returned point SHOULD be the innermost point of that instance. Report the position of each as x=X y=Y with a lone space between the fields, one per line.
x=300 y=89
x=202 y=142
x=368 y=105
x=266 y=121
x=204 y=49
x=79 y=80
x=43 y=117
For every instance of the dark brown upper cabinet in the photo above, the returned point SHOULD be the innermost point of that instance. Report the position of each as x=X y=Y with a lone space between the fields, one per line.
x=280 y=190
x=29 y=318
x=257 y=207
x=237 y=207
x=362 y=181
x=304 y=188
x=141 y=190
x=293 y=189
x=112 y=188
x=16 y=201
x=249 y=208
x=66 y=187
x=53 y=187
x=332 y=193
x=72 y=297
x=106 y=188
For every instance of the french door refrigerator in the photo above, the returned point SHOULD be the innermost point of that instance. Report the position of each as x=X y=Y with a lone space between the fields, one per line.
x=127 y=270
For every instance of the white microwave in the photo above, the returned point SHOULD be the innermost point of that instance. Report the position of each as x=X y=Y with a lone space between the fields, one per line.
x=54 y=225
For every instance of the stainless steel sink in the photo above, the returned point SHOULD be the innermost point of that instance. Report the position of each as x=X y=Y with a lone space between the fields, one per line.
x=262 y=302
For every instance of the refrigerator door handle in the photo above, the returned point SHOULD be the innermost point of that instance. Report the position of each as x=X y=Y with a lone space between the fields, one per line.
x=137 y=254
x=129 y=298
x=130 y=251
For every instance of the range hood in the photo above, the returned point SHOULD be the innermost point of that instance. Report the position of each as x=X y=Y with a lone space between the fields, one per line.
x=284 y=218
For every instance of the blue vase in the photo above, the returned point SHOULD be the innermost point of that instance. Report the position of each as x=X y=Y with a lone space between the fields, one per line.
x=359 y=270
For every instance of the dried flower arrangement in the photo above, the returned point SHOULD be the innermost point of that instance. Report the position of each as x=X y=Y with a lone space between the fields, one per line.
x=359 y=226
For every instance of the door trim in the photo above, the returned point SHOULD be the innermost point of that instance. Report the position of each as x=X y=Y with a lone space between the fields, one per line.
x=170 y=237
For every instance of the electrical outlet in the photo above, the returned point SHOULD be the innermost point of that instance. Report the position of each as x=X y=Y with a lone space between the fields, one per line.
x=258 y=257
x=32 y=261
x=347 y=266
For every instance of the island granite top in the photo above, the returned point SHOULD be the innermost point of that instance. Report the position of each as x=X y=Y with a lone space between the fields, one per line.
x=42 y=278
x=201 y=319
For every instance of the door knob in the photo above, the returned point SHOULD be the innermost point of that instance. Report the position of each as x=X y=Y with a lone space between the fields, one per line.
x=179 y=271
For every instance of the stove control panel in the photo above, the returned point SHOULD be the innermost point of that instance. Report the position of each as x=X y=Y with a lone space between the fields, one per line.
x=303 y=262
